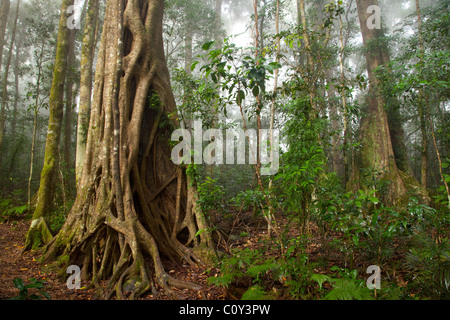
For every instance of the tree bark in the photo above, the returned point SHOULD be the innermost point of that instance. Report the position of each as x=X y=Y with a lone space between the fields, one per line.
x=422 y=108
x=4 y=100
x=86 y=75
x=4 y=12
x=132 y=200
x=17 y=59
x=39 y=232
x=218 y=31
x=378 y=50
x=69 y=93
x=377 y=153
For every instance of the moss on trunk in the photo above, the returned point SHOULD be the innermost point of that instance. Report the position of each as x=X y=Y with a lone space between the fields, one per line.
x=376 y=155
x=44 y=207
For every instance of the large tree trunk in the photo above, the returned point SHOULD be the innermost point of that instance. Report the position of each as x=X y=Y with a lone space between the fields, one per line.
x=39 y=232
x=379 y=51
x=132 y=201
x=377 y=152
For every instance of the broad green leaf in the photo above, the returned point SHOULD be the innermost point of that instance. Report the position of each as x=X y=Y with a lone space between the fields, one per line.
x=19 y=284
x=240 y=97
x=208 y=45
x=320 y=278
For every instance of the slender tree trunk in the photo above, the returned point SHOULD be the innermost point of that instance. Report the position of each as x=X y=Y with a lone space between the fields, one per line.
x=422 y=108
x=188 y=51
x=35 y=124
x=68 y=114
x=39 y=232
x=132 y=200
x=4 y=13
x=270 y=218
x=86 y=75
x=33 y=151
x=218 y=31
x=438 y=154
x=275 y=84
x=16 y=85
x=4 y=100
x=346 y=122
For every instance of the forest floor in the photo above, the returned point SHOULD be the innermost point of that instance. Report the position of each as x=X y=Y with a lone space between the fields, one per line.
x=14 y=263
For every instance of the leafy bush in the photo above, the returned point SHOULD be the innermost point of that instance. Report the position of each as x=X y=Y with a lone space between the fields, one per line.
x=210 y=196
x=250 y=199
x=9 y=210
x=244 y=267
x=345 y=287
x=24 y=293
x=258 y=272
x=429 y=264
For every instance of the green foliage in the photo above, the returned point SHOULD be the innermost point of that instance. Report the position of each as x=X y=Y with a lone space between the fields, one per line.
x=9 y=210
x=295 y=269
x=237 y=74
x=255 y=293
x=429 y=262
x=253 y=199
x=24 y=290
x=246 y=264
x=198 y=97
x=210 y=196
x=346 y=286
x=260 y=272
x=58 y=216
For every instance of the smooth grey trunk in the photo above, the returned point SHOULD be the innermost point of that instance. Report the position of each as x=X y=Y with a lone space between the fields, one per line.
x=5 y=81
x=86 y=75
x=4 y=12
x=35 y=123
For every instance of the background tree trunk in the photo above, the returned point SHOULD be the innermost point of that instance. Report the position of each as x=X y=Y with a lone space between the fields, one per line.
x=86 y=75
x=4 y=12
x=378 y=55
x=422 y=108
x=39 y=232
x=69 y=94
x=4 y=100
x=377 y=151
x=132 y=200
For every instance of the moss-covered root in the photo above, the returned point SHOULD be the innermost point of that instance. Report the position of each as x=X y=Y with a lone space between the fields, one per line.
x=38 y=235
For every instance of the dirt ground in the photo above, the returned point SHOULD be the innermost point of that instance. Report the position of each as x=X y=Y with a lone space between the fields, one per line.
x=15 y=264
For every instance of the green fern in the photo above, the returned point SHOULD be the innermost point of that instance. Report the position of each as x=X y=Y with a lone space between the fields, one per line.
x=256 y=270
x=255 y=293
x=222 y=281
x=347 y=289
x=320 y=278
x=429 y=265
